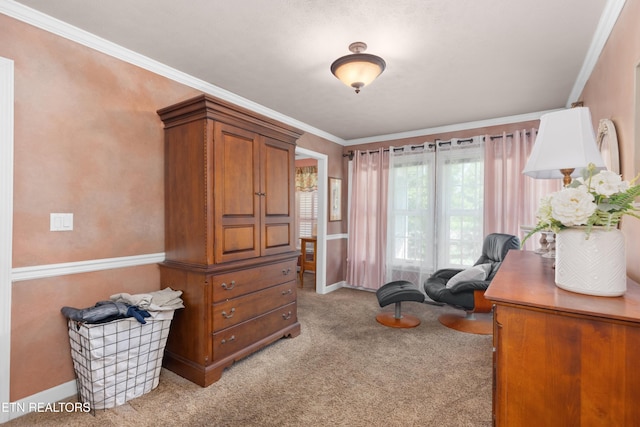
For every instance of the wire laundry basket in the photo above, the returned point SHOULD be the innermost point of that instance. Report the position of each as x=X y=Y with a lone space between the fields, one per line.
x=119 y=360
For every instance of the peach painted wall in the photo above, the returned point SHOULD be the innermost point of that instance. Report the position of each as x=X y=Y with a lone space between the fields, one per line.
x=87 y=141
x=40 y=351
x=610 y=94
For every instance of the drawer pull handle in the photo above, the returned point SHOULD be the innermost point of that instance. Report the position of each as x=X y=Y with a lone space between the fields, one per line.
x=232 y=338
x=230 y=286
x=286 y=316
x=286 y=271
x=230 y=315
x=287 y=292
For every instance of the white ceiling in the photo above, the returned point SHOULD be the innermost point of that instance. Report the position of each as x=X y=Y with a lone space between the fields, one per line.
x=448 y=61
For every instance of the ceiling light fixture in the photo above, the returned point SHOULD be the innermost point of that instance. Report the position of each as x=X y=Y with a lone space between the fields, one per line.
x=358 y=69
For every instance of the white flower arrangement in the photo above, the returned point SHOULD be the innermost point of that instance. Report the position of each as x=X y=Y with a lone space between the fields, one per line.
x=592 y=200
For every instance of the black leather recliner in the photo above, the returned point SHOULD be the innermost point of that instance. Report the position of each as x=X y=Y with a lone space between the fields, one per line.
x=469 y=295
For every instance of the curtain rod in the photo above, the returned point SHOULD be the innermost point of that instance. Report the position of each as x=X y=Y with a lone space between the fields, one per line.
x=484 y=138
x=350 y=153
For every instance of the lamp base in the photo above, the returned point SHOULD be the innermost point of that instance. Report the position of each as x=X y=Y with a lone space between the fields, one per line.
x=566 y=176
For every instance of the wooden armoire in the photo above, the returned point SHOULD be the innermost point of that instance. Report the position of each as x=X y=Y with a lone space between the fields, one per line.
x=229 y=234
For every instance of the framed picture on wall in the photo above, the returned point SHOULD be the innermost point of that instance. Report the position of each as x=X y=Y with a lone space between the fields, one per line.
x=335 y=199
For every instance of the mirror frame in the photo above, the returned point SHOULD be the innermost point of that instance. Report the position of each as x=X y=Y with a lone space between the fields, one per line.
x=607 y=141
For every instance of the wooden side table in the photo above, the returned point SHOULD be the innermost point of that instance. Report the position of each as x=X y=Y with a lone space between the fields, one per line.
x=561 y=358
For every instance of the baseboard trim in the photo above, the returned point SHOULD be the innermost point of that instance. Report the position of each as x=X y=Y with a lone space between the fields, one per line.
x=68 y=390
x=64 y=269
x=333 y=287
x=40 y=400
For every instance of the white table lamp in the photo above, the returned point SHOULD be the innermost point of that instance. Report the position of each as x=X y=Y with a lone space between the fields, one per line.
x=565 y=145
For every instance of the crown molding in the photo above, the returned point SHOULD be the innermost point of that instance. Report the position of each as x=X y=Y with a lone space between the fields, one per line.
x=607 y=21
x=30 y=16
x=451 y=128
x=75 y=34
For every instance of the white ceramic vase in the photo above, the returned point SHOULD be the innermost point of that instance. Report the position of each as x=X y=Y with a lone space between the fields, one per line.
x=595 y=265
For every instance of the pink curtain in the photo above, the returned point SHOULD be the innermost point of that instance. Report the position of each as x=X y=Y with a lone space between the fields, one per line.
x=368 y=220
x=511 y=199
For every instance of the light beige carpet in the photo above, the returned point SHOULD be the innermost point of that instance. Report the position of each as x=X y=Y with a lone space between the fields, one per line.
x=345 y=369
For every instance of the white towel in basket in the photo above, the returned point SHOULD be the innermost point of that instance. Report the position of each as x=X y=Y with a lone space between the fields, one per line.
x=163 y=300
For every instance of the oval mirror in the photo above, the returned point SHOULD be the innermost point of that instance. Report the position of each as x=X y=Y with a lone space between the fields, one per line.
x=608 y=145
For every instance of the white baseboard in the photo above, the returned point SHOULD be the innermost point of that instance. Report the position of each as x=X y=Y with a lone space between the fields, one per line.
x=64 y=392
x=39 y=401
x=358 y=288
x=333 y=287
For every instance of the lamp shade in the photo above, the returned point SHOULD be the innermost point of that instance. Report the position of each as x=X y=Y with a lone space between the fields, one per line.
x=358 y=69
x=565 y=141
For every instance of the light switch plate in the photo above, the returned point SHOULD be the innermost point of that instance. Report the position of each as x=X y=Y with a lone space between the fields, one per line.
x=61 y=222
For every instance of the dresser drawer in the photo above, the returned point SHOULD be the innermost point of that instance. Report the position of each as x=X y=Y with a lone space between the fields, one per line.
x=238 y=337
x=236 y=310
x=230 y=285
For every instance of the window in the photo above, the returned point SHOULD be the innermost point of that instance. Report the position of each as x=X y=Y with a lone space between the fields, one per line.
x=307 y=208
x=306 y=201
x=411 y=215
x=435 y=211
x=460 y=206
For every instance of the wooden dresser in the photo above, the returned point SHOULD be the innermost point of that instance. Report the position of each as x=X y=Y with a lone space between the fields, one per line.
x=229 y=234
x=562 y=358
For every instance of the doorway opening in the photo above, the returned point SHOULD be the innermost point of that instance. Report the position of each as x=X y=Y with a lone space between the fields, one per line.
x=320 y=225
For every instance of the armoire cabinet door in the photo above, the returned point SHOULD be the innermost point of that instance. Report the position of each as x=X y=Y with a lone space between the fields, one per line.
x=253 y=194
x=236 y=193
x=278 y=201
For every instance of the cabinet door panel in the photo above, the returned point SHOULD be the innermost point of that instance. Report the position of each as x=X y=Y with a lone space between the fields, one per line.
x=236 y=193
x=277 y=235
x=278 y=177
x=239 y=190
x=238 y=239
x=278 y=166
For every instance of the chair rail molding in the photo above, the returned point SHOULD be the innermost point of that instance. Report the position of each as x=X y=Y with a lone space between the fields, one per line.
x=337 y=236
x=66 y=268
